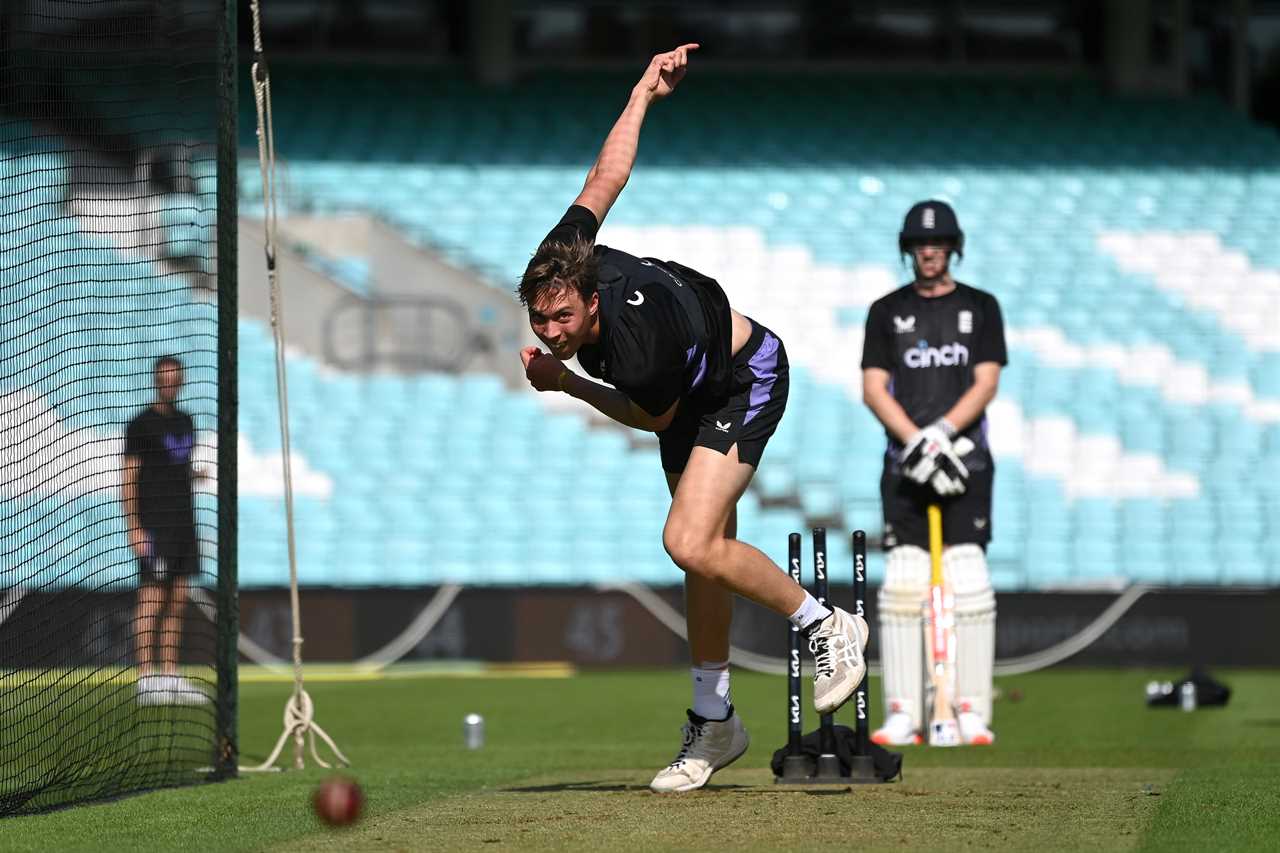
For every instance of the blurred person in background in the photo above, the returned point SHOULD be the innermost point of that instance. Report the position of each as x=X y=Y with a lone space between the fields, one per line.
x=931 y=363
x=712 y=384
x=159 y=513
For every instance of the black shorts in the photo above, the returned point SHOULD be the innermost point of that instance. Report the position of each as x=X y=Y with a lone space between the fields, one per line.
x=170 y=560
x=746 y=417
x=966 y=519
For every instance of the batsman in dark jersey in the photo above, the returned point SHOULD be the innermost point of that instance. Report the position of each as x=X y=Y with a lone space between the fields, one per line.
x=159 y=512
x=931 y=363
x=712 y=384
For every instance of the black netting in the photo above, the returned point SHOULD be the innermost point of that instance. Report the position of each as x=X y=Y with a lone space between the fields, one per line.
x=110 y=115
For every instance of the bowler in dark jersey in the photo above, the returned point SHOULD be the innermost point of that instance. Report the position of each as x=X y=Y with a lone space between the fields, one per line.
x=712 y=384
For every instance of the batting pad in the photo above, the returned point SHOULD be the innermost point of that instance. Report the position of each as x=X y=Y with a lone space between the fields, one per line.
x=965 y=567
x=906 y=584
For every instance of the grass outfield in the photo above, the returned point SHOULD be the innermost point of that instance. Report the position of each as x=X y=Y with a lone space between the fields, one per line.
x=1080 y=764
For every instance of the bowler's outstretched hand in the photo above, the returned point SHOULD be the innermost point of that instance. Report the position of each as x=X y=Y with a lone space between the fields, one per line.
x=665 y=71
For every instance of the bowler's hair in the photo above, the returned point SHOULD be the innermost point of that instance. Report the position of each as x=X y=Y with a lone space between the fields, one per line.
x=166 y=361
x=559 y=265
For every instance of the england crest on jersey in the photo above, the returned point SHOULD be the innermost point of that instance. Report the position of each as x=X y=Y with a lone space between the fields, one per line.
x=966 y=322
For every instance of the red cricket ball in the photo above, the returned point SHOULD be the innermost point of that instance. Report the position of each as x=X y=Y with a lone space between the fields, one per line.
x=338 y=801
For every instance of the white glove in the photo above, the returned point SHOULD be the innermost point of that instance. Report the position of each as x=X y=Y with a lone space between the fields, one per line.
x=920 y=455
x=949 y=477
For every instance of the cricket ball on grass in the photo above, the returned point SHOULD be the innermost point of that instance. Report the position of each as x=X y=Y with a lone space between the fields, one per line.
x=338 y=801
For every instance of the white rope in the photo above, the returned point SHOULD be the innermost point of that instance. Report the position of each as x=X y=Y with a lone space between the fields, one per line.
x=1077 y=643
x=401 y=645
x=247 y=647
x=299 y=712
x=417 y=630
x=674 y=622
x=300 y=723
x=1055 y=654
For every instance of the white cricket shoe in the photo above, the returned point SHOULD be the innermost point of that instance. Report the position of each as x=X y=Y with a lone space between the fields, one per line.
x=708 y=746
x=153 y=690
x=973 y=729
x=837 y=643
x=898 y=730
x=184 y=692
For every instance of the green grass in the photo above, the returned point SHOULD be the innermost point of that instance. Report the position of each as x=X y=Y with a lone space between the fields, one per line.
x=72 y=734
x=1080 y=764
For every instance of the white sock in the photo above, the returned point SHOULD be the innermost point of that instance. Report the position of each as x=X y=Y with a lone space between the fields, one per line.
x=711 y=690
x=810 y=612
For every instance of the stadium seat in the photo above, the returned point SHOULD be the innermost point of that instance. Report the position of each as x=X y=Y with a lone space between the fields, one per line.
x=1135 y=428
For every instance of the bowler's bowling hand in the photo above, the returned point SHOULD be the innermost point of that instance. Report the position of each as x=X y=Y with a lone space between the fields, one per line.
x=544 y=371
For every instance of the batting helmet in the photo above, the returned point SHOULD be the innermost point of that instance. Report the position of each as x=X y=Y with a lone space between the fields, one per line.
x=930 y=220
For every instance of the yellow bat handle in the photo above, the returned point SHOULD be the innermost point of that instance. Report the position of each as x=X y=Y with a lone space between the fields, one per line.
x=935 y=544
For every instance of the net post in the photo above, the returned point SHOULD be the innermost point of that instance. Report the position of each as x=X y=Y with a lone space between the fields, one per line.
x=226 y=749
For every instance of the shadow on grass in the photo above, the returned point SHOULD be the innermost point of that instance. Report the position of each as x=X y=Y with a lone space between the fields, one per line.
x=1267 y=723
x=601 y=787
x=595 y=787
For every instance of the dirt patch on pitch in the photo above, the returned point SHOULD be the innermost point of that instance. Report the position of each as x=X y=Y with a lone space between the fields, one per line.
x=934 y=809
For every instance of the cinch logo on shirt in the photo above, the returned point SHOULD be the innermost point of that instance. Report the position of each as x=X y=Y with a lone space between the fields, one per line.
x=947 y=355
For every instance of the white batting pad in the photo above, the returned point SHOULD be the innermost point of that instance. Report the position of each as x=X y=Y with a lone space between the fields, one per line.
x=906 y=570
x=901 y=598
x=965 y=567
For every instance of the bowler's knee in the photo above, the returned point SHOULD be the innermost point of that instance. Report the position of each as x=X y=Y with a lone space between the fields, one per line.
x=692 y=551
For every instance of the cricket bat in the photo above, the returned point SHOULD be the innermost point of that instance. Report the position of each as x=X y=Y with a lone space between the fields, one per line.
x=940 y=643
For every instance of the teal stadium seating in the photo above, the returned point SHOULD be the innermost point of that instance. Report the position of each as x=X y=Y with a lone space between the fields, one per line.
x=83 y=323
x=1138 y=424
x=470 y=498
x=1138 y=429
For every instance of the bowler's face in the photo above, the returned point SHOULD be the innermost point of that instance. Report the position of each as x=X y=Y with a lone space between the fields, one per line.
x=562 y=320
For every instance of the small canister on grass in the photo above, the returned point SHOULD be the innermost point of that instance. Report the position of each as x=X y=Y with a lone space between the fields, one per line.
x=1187 y=695
x=473 y=731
